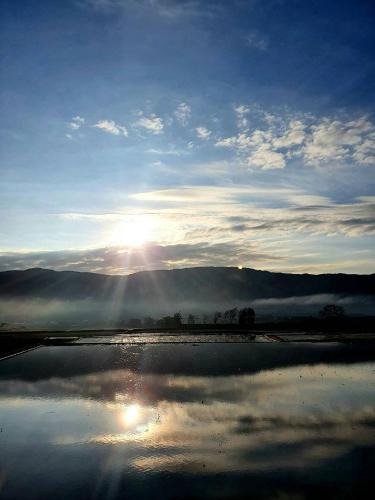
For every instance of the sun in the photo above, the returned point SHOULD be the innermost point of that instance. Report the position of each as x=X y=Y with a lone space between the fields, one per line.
x=134 y=232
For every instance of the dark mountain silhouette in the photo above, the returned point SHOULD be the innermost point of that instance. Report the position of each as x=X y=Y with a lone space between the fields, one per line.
x=202 y=284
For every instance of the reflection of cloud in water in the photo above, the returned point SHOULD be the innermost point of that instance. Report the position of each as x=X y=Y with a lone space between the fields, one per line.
x=211 y=421
x=285 y=418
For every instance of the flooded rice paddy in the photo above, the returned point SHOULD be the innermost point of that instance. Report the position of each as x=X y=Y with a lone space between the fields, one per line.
x=188 y=420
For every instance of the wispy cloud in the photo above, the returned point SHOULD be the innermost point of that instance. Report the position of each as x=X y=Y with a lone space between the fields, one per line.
x=293 y=211
x=229 y=194
x=213 y=225
x=242 y=111
x=76 y=122
x=152 y=124
x=183 y=113
x=120 y=260
x=254 y=40
x=166 y=152
x=168 y=9
x=203 y=133
x=111 y=127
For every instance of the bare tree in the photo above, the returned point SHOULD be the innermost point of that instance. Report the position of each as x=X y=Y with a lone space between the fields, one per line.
x=148 y=322
x=246 y=316
x=233 y=313
x=331 y=311
x=217 y=317
x=191 y=319
x=226 y=316
x=177 y=319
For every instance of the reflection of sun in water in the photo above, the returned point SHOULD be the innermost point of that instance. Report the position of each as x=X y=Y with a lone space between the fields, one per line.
x=131 y=414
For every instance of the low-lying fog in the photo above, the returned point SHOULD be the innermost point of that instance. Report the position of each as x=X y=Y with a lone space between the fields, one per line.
x=90 y=313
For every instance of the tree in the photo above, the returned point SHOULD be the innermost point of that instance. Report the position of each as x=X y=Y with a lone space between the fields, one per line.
x=226 y=316
x=230 y=315
x=177 y=319
x=233 y=313
x=148 y=322
x=332 y=311
x=170 y=321
x=162 y=323
x=166 y=322
x=217 y=317
x=246 y=316
x=191 y=319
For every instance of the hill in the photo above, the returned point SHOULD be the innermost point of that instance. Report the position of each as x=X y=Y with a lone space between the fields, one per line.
x=202 y=284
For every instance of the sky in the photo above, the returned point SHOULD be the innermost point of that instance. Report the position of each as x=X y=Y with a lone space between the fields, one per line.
x=151 y=134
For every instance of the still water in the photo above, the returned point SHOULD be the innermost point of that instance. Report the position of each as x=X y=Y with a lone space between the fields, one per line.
x=196 y=420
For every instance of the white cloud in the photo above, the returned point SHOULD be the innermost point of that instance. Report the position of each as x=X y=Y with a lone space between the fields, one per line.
x=244 y=142
x=183 y=113
x=173 y=152
x=266 y=158
x=241 y=141
x=255 y=41
x=152 y=124
x=241 y=111
x=76 y=122
x=92 y=216
x=338 y=140
x=111 y=127
x=256 y=148
x=294 y=135
x=317 y=141
x=203 y=133
x=365 y=152
x=217 y=194
x=274 y=219
x=270 y=217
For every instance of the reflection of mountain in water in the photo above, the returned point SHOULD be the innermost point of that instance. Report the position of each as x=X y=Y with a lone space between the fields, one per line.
x=213 y=421
x=181 y=359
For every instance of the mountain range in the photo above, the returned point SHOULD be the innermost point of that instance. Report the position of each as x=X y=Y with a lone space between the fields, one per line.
x=201 y=285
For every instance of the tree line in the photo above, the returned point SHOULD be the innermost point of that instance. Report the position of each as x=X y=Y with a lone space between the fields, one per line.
x=234 y=316
x=245 y=317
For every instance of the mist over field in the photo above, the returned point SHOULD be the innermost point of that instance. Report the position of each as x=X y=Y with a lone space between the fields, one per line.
x=89 y=313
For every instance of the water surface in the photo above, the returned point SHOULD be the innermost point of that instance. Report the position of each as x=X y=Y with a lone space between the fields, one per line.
x=261 y=420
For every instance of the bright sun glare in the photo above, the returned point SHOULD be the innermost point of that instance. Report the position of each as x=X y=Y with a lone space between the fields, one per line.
x=134 y=233
x=131 y=414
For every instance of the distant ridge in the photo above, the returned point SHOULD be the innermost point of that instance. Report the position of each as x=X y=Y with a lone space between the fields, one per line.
x=208 y=284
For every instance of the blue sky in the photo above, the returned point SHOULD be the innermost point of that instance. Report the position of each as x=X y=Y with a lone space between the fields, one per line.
x=161 y=133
